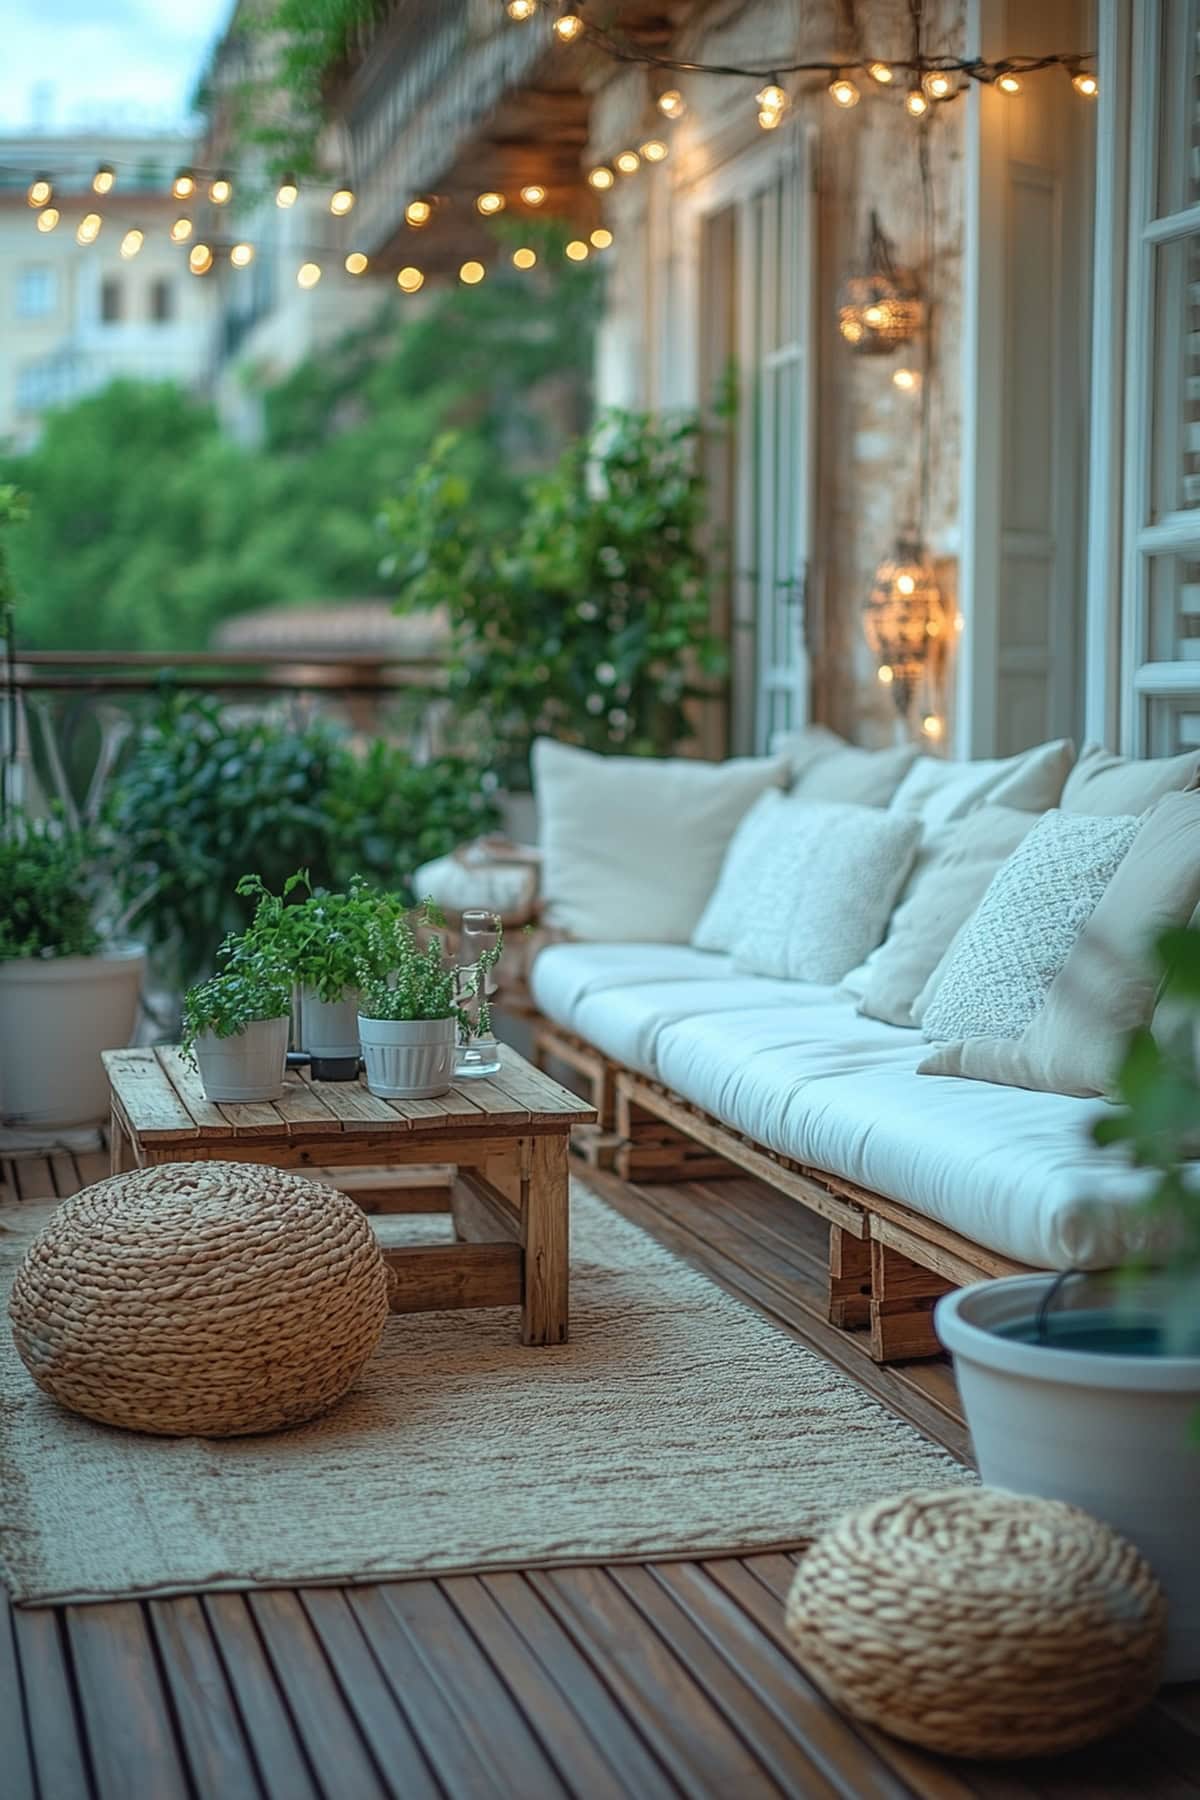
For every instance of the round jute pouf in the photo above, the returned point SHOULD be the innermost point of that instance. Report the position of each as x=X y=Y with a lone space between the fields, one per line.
x=205 y=1298
x=980 y=1623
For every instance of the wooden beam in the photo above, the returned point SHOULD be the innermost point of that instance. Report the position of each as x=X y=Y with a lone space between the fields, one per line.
x=441 y=1277
x=903 y=1296
x=481 y=1213
x=849 y=1280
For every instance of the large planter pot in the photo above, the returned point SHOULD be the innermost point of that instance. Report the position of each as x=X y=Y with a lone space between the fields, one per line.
x=247 y=1066
x=408 y=1059
x=329 y=1028
x=1112 y=1432
x=56 y=1015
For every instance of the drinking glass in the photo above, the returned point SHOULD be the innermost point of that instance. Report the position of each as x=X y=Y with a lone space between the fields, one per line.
x=478 y=1054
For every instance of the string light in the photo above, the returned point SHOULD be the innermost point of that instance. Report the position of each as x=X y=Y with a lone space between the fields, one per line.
x=601 y=238
x=933 y=726
x=577 y=250
x=341 y=201
x=1085 y=83
x=524 y=259
x=671 y=104
x=628 y=162
x=308 y=274
x=534 y=194
x=104 y=179
x=567 y=27
x=287 y=193
x=242 y=255
x=418 y=213
x=40 y=191
x=772 y=104
x=200 y=259
x=600 y=177
x=184 y=185
x=181 y=231
x=939 y=85
x=654 y=151
x=220 y=190
x=472 y=273
x=409 y=280
x=356 y=263
x=132 y=242
x=907 y=380
x=88 y=229
x=882 y=72
x=1008 y=83
x=48 y=218
x=843 y=92
x=886 y=674
x=489 y=204
x=520 y=10
x=916 y=103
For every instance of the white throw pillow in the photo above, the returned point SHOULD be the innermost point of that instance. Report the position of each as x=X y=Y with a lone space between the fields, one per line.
x=721 y=921
x=1102 y=782
x=944 y=791
x=825 y=767
x=824 y=889
x=995 y=976
x=632 y=846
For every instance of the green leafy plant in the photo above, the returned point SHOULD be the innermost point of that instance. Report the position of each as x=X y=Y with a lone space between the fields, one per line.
x=386 y=814
x=322 y=938
x=408 y=974
x=591 y=621
x=253 y=987
x=48 y=884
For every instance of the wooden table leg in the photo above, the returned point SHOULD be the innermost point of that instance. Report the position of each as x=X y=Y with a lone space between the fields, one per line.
x=120 y=1150
x=545 y=1232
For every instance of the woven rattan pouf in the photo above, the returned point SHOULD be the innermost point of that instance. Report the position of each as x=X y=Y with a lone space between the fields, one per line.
x=979 y=1623
x=204 y=1298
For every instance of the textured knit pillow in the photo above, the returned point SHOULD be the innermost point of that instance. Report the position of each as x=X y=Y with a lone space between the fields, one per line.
x=996 y=973
x=824 y=890
x=721 y=921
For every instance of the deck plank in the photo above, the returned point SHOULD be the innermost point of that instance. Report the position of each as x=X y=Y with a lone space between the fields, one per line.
x=344 y=1767
x=126 y=1713
x=214 y=1741
x=278 y=1754
x=55 y=1733
x=16 y=1757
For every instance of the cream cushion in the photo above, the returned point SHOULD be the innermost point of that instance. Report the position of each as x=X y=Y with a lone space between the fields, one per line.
x=1102 y=782
x=825 y=767
x=632 y=846
x=1106 y=987
x=720 y=923
x=995 y=975
x=824 y=889
x=954 y=869
x=941 y=792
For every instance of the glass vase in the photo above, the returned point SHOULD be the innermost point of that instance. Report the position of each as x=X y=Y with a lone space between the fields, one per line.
x=478 y=1051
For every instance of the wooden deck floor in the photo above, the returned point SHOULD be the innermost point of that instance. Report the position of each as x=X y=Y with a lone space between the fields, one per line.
x=633 y=1683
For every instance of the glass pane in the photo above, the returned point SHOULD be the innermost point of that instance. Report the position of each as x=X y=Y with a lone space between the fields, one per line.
x=1176 y=461
x=1175 y=609
x=1179 y=133
x=1174 y=725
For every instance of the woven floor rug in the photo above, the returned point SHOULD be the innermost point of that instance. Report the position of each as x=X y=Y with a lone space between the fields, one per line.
x=677 y=1421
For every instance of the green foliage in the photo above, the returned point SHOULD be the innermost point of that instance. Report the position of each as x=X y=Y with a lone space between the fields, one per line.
x=316 y=36
x=253 y=987
x=322 y=938
x=406 y=973
x=590 y=621
x=385 y=814
x=47 y=891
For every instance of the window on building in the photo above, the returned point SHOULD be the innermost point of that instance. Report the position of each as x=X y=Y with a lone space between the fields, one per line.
x=37 y=292
x=111 y=300
x=162 y=301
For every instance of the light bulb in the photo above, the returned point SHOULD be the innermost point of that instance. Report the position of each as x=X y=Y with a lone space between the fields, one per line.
x=628 y=162
x=132 y=242
x=356 y=263
x=567 y=27
x=200 y=259
x=242 y=255
x=1086 y=84
x=851 y=330
x=472 y=273
x=88 y=229
x=654 y=151
x=288 y=192
x=916 y=102
x=104 y=179
x=906 y=584
x=418 y=213
x=1008 y=84
x=905 y=379
x=577 y=250
x=932 y=726
x=772 y=97
x=181 y=231
x=308 y=274
x=534 y=194
x=601 y=177
x=939 y=85
x=341 y=201
x=524 y=259
x=843 y=92
x=184 y=185
x=48 y=218
x=220 y=191
x=887 y=674
x=489 y=203
x=769 y=120
x=883 y=73
x=671 y=104
x=601 y=238
x=409 y=280
x=40 y=191
x=520 y=10
x=875 y=314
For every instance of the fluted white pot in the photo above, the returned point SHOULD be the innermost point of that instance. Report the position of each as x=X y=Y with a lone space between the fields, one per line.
x=57 y=1013
x=329 y=1028
x=247 y=1066
x=408 y=1059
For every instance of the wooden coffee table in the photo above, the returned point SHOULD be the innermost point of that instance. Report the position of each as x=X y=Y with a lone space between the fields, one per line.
x=499 y=1147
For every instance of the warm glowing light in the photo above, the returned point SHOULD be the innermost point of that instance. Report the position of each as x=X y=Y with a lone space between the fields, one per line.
x=843 y=92
x=409 y=280
x=916 y=103
x=288 y=192
x=356 y=263
x=875 y=315
x=48 y=218
x=418 y=213
x=601 y=177
x=772 y=97
x=577 y=250
x=654 y=151
x=472 y=273
x=308 y=274
x=489 y=203
x=601 y=238
x=851 y=330
x=88 y=228
x=628 y=162
x=181 y=231
x=939 y=85
x=524 y=258
x=769 y=120
x=671 y=104
x=220 y=191
x=1086 y=84
x=200 y=259
x=906 y=584
x=883 y=73
x=520 y=10
x=567 y=27
x=104 y=180
x=887 y=674
x=932 y=725
x=40 y=191
x=906 y=379
x=341 y=201
x=184 y=185
x=242 y=255
x=1008 y=84
x=132 y=242
x=534 y=194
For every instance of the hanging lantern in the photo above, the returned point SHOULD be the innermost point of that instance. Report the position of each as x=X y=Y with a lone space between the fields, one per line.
x=904 y=621
x=879 y=309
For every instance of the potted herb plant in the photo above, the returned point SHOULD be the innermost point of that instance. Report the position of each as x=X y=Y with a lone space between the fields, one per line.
x=235 y=1025
x=1087 y=1388
x=411 y=1010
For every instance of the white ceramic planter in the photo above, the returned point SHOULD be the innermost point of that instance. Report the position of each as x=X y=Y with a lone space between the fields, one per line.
x=247 y=1066
x=408 y=1059
x=329 y=1028
x=56 y=1015
x=1113 y=1434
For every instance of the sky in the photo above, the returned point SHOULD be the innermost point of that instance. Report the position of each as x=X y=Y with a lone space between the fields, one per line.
x=127 y=65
